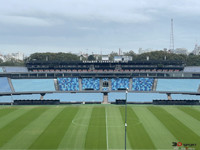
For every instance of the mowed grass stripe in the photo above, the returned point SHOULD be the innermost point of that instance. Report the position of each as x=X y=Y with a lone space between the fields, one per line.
x=75 y=136
x=185 y=118
x=96 y=134
x=115 y=126
x=159 y=134
x=15 y=126
x=137 y=134
x=178 y=129
x=190 y=111
x=30 y=133
x=6 y=119
x=6 y=110
x=197 y=108
x=53 y=134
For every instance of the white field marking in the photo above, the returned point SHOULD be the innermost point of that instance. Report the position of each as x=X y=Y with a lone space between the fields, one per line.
x=78 y=120
x=106 y=131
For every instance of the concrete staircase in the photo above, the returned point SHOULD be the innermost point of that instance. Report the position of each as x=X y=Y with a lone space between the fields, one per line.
x=105 y=98
x=56 y=84
x=130 y=84
x=11 y=85
x=154 y=84
x=80 y=84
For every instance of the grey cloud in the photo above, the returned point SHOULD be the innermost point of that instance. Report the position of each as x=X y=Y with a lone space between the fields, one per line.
x=90 y=24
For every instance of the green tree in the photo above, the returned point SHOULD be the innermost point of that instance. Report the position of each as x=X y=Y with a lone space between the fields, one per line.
x=91 y=58
x=13 y=62
x=131 y=53
x=112 y=55
x=193 y=60
x=53 y=57
x=162 y=55
x=1 y=60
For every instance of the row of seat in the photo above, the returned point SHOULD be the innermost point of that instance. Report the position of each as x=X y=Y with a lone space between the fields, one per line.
x=91 y=83
x=13 y=69
x=106 y=70
x=72 y=84
x=68 y=84
x=142 y=84
x=76 y=84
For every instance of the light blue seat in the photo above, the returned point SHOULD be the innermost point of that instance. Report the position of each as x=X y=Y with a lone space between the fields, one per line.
x=68 y=84
x=91 y=83
x=142 y=84
x=135 y=97
x=23 y=85
x=4 y=85
x=118 y=83
x=178 y=85
x=16 y=69
x=76 y=97
x=1 y=69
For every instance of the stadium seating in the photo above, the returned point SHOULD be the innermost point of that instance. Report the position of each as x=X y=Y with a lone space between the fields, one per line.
x=24 y=85
x=1 y=69
x=118 y=83
x=16 y=69
x=91 y=83
x=178 y=85
x=191 y=69
x=4 y=85
x=105 y=88
x=68 y=84
x=142 y=84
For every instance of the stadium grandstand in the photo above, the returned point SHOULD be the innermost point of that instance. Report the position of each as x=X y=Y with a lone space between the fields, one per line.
x=106 y=66
x=103 y=78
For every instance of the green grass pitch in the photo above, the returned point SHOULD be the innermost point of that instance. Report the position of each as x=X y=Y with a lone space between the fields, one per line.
x=90 y=127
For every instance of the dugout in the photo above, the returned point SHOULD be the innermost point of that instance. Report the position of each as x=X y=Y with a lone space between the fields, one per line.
x=120 y=101
x=176 y=102
x=36 y=102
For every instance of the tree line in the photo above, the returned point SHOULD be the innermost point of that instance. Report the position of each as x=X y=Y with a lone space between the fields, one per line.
x=12 y=62
x=189 y=60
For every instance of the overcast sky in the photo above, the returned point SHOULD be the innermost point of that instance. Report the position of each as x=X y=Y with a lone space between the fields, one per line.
x=97 y=25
